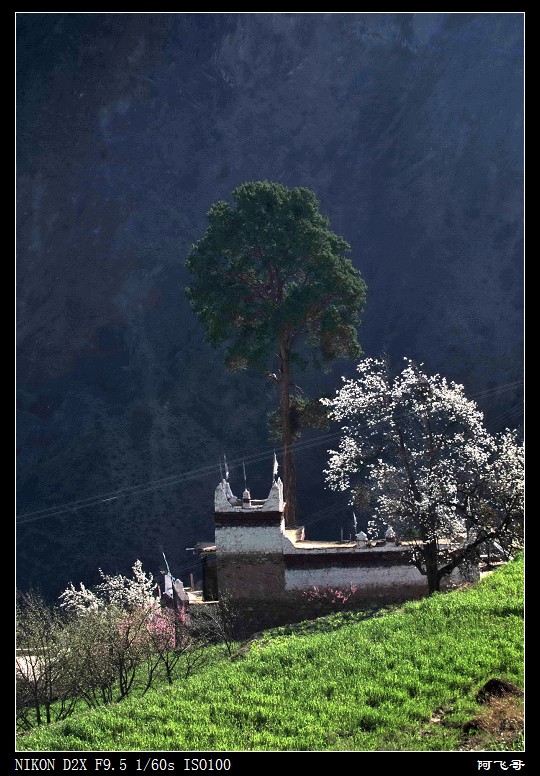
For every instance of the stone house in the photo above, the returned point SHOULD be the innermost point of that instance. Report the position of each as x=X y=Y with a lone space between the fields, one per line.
x=278 y=576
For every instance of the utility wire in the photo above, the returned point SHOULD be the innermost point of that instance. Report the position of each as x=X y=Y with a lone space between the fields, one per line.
x=490 y=392
x=181 y=477
x=166 y=481
x=505 y=417
x=73 y=506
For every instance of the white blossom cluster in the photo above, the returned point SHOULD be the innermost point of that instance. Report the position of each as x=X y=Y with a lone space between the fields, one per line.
x=119 y=591
x=420 y=446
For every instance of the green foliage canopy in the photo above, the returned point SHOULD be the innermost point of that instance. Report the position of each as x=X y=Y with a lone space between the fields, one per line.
x=269 y=270
x=271 y=280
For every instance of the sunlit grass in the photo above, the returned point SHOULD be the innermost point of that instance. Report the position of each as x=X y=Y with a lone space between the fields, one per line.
x=371 y=684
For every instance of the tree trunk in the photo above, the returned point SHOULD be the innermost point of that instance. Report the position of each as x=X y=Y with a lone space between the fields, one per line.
x=289 y=475
x=432 y=568
x=289 y=485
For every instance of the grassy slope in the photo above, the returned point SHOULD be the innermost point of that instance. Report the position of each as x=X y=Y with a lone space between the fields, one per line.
x=379 y=684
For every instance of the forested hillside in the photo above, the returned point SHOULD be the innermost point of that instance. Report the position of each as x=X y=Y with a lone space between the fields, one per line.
x=408 y=127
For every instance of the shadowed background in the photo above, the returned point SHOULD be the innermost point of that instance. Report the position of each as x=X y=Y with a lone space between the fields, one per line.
x=408 y=127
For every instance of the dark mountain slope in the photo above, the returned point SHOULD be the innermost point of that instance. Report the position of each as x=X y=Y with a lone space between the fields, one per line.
x=409 y=129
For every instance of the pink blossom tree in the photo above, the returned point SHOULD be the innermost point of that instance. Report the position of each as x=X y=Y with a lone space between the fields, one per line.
x=333 y=596
x=118 y=628
x=110 y=633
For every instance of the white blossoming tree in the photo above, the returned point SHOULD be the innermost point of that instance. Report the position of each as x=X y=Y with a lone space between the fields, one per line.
x=119 y=591
x=433 y=472
x=113 y=629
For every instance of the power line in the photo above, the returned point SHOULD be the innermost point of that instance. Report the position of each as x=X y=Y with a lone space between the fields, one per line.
x=181 y=477
x=167 y=481
x=505 y=417
x=137 y=489
x=340 y=505
x=497 y=389
x=488 y=393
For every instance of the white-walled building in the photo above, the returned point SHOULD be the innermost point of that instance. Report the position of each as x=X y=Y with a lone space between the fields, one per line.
x=277 y=573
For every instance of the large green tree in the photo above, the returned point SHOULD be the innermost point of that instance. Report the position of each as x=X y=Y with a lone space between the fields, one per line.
x=271 y=281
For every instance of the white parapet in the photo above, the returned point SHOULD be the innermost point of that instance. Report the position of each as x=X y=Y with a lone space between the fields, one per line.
x=225 y=501
x=274 y=502
x=242 y=539
x=221 y=503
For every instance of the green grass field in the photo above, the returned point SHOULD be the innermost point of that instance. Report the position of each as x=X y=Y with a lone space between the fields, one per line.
x=402 y=681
